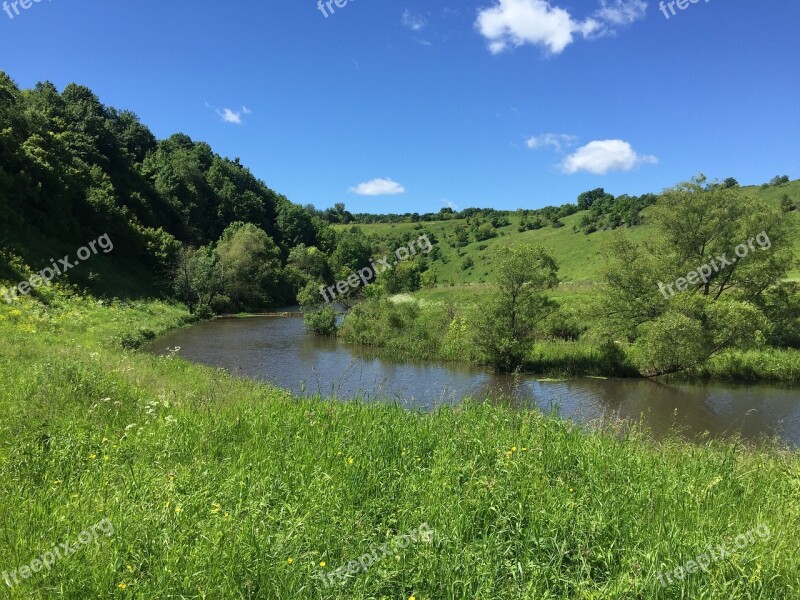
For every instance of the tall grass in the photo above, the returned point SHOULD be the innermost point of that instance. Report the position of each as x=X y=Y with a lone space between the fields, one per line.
x=223 y=488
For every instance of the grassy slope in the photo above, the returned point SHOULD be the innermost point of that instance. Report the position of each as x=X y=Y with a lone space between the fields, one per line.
x=578 y=255
x=212 y=484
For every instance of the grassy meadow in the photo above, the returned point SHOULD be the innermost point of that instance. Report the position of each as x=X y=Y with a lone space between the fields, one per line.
x=577 y=254
x=223 y=488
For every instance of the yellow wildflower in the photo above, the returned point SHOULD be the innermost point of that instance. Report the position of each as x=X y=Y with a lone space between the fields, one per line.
x=290 y=560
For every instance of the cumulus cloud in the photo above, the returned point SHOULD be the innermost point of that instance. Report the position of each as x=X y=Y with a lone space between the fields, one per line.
x=557 y=141
x=602 y=156
x=378 y=187
x=512 y=23
x=231 y=116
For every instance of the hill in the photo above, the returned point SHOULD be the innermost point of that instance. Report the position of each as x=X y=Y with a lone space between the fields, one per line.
x=578 y=254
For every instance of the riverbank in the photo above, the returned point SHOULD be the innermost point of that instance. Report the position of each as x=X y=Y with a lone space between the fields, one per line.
x=224 y=488
x=435 y=325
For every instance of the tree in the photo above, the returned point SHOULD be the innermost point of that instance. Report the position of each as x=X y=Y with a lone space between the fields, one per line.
x=250 y=262
x=505 y=325
x=196 y=276
x=729 y=183
x=587 y=199
x=735 y=249
x=405 y=277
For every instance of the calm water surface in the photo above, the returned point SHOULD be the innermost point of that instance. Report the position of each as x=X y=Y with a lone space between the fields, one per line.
x=279 y=350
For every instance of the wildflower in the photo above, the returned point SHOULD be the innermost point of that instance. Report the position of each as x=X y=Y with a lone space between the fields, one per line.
x=122 y=586
x=92 y=456
x=322 y=563
x=178 y=510
x=104 y=440
x=290 y=560
x=508 y=453
x=105 y=456
x=130 y=569
x=350 y=460
x=57 y=482
x=514 y=449
x=571 y=490
x=216 y=508
x=412 y=598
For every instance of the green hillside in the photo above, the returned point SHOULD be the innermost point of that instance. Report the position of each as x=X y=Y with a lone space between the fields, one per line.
x=578 y=255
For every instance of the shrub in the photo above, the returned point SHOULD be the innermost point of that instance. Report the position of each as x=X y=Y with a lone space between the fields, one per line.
x=321 y=322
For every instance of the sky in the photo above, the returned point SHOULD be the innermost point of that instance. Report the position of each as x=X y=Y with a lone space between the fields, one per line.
x=413 y=106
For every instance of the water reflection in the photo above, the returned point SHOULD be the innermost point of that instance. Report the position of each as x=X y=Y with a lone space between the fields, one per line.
x=278 y=350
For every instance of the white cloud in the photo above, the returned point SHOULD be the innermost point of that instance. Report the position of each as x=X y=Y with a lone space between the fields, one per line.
x=378 y=187
x=513 y=23
x=557 y=141
x=621 y=12
x=246 y=110
x=230 y=116
x=602 y=156
x=413 y=21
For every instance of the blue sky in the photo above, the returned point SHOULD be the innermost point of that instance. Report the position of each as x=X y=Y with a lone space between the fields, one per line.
x=411 y=106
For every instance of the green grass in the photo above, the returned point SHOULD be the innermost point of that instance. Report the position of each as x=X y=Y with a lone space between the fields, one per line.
x=577 y=254
x=212 y=484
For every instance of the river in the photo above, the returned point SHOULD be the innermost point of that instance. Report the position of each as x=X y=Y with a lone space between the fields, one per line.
x=279 y=350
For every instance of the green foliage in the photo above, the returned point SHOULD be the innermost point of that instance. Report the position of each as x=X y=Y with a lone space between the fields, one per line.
x=322 y=321
x=405 y=277
x=717 y=312
x=92 y=169
x=505 y=325
x=250 y=263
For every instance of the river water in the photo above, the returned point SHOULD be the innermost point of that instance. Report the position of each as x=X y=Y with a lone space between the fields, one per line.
x=279 y=350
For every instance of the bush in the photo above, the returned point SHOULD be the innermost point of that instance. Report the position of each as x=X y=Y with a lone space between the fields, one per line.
x=204 y=312
x=134 y=341
x=321 y=322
